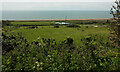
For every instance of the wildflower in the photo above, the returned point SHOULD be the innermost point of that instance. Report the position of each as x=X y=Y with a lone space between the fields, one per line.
x=33 y=66
x=41 y=63
x=38 y=38
x=68 y=36
x=41 y=68
x=49 y=56
x=39 y=44
x=37 y=62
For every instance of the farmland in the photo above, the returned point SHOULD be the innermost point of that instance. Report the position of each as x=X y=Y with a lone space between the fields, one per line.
x=57 y=33
x=44 y=45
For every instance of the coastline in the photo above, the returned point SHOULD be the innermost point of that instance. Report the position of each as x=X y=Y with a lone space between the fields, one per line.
x=97 y=19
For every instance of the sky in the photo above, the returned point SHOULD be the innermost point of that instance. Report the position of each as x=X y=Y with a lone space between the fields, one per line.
x=97 y=5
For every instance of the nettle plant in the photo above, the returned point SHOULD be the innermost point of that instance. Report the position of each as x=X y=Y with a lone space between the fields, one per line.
x=115 y=24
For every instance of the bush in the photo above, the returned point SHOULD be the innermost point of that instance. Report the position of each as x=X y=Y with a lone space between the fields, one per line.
x=56 y=26
x=11 y=41
x=6 y=23
x=33 y=27
x=47 y=55
x=73 y=26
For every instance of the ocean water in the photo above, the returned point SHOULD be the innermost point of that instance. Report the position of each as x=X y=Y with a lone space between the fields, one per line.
x=29 y=15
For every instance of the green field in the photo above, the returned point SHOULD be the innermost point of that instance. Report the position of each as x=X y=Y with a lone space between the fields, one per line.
x=59 y=33
x=47 y=46
x=75 y=45
x=46 y=23
x=31 y=23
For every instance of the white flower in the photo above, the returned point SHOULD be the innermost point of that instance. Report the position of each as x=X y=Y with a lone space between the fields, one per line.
x=49 y=56
x=41 y=68
x=33 y=66
x=38 y=64
x=39 y=44
x=38 y=38
x=41 y=63
x=36 y=61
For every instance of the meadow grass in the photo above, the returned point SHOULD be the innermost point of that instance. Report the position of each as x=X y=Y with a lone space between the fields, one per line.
x=60 y=33
x=92 y=50
x=44 y=23
x=31 y=23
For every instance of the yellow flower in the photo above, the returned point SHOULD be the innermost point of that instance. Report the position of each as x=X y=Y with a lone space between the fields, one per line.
x=68 y=36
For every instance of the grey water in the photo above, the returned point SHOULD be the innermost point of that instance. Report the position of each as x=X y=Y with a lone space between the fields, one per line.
x=29 y=15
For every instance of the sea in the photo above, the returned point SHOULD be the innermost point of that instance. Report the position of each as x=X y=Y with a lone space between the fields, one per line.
x=30 y=15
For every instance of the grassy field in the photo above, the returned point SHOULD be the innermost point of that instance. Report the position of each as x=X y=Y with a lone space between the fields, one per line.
x=73 y=48
x=59 y=33
x=31 y=23
x=44 y=23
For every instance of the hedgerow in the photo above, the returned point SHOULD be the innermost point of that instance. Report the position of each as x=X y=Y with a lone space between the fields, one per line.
x=48 y=55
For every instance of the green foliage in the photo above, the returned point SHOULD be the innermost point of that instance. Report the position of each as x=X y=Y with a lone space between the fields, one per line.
x=48 y=55
x=56 y=26
x=32 y=23
x=90 y=22
x=48 y=23
x=59 y=33
x=73 y=25
x=11 y=41
x=6 y=23
x=115 y=24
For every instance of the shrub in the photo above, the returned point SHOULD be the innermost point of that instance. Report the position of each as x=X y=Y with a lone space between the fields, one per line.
x=6 y=23
x=47 y=55
x=11 y=41
x=56 y=26
x=33 y=27
x=73 y=25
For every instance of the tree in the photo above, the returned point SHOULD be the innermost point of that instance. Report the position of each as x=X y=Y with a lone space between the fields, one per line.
x=115 y=24
x=115 y=28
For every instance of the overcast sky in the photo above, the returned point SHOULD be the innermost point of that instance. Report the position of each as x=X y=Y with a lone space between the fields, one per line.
x=98 y=5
